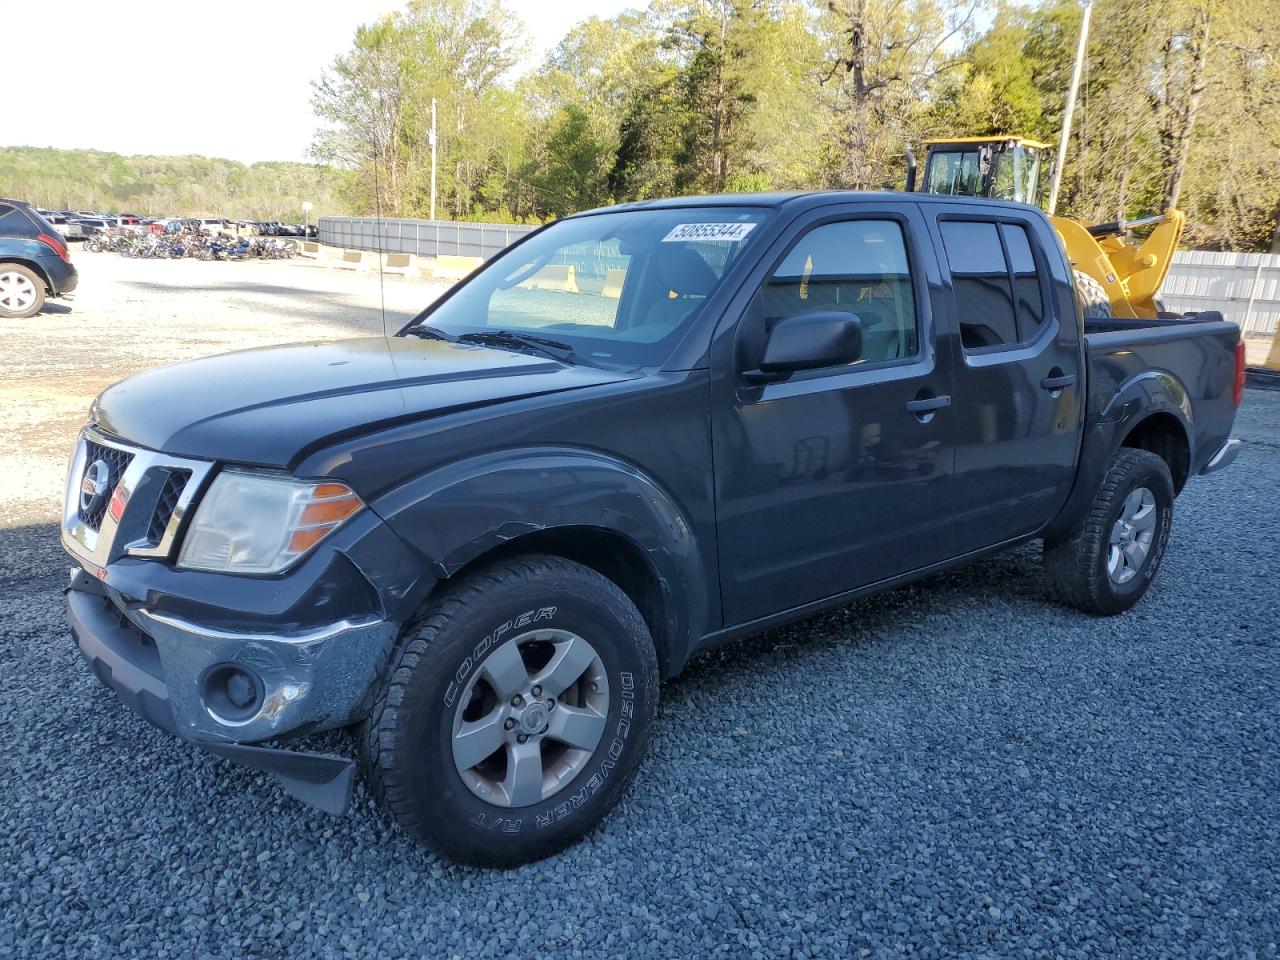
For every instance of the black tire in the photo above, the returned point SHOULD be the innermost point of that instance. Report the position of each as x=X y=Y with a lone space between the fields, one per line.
x=1077 y=567
x=1093 y=296
x=21 y=291
x=406 y=743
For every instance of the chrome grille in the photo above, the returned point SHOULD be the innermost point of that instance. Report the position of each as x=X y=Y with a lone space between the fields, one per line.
x=152 y=492
x=170 y=494
x=117 y=462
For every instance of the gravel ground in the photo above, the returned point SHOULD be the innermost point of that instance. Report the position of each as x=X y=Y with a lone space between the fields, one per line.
x=956 y=768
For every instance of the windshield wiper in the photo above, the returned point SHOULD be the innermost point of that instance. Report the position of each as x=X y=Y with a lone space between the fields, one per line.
x=435 y=333
x=555 y=349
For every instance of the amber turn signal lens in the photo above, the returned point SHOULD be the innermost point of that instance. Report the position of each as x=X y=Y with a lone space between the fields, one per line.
x=329 y=511
x=325 y=508
x=325 y=491
x=304 y=540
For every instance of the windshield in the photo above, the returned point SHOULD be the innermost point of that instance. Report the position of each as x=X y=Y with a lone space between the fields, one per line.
x=616 y=287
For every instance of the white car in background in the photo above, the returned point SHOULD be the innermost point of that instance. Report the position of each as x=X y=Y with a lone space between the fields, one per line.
x=70 y=229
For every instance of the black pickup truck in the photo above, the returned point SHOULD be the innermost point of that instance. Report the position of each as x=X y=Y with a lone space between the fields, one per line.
x=636 y=434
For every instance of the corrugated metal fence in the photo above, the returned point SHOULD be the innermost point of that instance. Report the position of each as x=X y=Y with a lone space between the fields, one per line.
x=1244 y=286
x=426 y=238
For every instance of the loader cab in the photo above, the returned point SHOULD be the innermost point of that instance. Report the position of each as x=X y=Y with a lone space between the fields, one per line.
x=1000 y=168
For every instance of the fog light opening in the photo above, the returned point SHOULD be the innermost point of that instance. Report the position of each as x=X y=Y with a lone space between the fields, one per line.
x=231 y=693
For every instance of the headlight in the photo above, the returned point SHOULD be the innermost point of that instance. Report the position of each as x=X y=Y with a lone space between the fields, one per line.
x=260 y=522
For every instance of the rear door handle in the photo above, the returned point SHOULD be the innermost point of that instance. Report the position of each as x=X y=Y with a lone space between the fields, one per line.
x=929 y=404
x=1058 y=383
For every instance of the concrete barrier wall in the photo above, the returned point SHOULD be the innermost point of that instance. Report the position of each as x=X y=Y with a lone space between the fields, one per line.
x=1245 y=287
x=424 y=238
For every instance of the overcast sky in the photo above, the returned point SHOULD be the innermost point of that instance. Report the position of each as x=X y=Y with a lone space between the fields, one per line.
x=227 y=78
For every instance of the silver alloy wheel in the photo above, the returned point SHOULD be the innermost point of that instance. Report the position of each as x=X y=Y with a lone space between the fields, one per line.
x=530 y=718
x=1131 y=536
x=17 y=292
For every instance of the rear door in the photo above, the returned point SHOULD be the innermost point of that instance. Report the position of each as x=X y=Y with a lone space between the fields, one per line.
x=1018 y=383
x=828 y=480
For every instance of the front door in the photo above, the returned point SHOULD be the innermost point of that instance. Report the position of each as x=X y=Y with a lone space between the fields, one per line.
x=825 y=480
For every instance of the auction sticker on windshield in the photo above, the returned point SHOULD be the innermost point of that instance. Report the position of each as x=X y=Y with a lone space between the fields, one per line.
x=708 y=231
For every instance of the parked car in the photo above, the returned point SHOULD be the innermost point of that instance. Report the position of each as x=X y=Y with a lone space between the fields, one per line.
x=69 y=229
x=211 y=225
x=486 y=539
x=35 y=263
x=91 y=225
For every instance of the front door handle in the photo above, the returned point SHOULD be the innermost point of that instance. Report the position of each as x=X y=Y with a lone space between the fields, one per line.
x=1058 y=383
x=929 y=404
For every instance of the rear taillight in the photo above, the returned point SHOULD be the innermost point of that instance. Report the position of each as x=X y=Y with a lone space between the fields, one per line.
x=1237 y=388
x=56 y=245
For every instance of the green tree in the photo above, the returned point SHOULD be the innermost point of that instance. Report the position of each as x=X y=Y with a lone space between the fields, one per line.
x=375 y=101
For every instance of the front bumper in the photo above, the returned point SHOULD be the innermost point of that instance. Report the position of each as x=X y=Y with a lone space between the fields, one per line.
x=220 y=660
x=166 y=669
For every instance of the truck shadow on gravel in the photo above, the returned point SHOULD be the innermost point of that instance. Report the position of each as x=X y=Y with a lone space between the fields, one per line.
x=1012 y=576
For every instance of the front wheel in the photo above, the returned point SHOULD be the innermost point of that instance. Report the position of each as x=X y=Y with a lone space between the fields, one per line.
x=1109 y=562
x=515 y=712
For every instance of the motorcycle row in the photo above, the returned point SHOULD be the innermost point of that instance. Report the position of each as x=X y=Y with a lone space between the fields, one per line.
x=192 y=244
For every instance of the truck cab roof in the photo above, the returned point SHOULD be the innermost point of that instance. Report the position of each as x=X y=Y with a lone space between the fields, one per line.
x=800 y=200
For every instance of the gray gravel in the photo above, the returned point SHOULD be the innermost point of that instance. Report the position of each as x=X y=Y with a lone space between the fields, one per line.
x=956 y=768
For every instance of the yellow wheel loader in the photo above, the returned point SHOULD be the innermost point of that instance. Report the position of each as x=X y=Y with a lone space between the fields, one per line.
x=1113 y=276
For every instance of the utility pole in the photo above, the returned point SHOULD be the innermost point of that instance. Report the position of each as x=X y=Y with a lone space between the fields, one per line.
x=432 y=141
x=1081 y=47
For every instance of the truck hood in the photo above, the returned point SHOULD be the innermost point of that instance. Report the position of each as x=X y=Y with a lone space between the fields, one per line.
x=269 y=405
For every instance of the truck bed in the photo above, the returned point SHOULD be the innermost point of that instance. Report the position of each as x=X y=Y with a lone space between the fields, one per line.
x=1181 y=363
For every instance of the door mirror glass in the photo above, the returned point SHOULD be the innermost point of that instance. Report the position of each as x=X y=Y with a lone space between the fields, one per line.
x=808 y=341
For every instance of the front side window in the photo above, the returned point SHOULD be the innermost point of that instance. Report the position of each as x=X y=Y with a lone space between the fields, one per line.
x=616 y=287
x=852 y=266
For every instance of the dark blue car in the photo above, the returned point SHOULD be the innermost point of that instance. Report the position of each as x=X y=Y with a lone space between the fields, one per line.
x=34 y=261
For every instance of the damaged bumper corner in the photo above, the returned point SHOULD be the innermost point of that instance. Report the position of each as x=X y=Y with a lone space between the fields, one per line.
x=226 y=691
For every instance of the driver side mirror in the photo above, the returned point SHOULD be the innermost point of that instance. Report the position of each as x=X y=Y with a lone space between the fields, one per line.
x=809 y=341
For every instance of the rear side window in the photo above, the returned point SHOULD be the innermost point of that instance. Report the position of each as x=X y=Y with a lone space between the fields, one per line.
x=852 y=266
x=1027 y=299
x=980 y=277
x=13 y=223
x=997 y=287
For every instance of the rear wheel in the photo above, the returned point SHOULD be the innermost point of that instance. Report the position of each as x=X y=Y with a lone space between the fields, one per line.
x=21 y=291
x=515 y=712
x=1109 y=562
